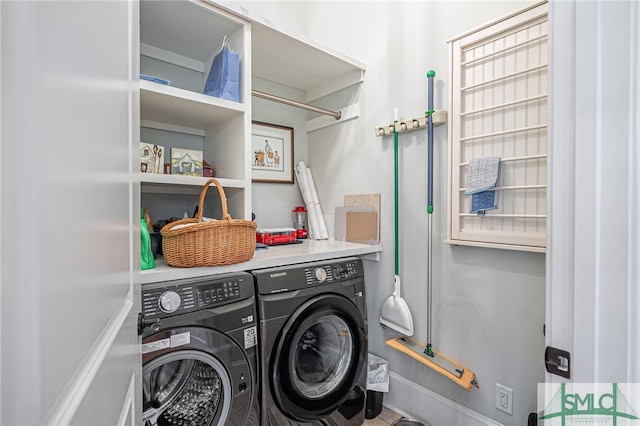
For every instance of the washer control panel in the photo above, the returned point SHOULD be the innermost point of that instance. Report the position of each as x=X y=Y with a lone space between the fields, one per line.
x=176 y=297
x=213 y=294
x=169 y=301
x=345 y=270
x=321 y=274
x=303 y=276
x=332 y=272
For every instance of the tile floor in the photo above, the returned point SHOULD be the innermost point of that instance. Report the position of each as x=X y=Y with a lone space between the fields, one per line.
x=386 y=417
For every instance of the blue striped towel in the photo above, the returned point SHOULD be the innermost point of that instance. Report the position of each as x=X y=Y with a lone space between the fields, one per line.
x=483 y=174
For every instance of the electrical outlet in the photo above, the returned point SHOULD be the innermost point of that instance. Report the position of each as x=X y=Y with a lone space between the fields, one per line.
x=504 y=398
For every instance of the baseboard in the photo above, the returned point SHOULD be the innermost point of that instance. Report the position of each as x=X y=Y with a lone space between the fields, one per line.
x=429 y=407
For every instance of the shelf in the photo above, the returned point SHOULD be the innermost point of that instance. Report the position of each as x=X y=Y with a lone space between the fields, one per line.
x=179 y=180
x=179 y=107
x=159 y=183
x=191 y=28
x=296 y=61
x=300 y=63
x=308 y=251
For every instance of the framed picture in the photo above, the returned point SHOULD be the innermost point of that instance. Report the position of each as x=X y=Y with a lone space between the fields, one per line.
x=186 y=162
x=151 y=158
x=271 y=153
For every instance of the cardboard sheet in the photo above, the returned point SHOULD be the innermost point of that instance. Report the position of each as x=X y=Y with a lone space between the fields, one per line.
x=340 y=230
x=366 y=200
x=362 y=227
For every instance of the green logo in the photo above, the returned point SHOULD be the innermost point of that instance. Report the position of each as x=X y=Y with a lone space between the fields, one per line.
x=589 y=407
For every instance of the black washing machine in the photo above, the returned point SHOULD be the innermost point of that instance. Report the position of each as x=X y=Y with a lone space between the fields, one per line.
x=313 y=343
x=199 y=352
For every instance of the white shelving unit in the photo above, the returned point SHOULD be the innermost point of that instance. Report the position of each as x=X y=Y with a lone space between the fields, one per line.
x=178 y=40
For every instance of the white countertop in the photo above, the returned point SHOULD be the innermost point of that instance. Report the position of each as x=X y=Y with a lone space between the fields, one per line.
x=307 y=251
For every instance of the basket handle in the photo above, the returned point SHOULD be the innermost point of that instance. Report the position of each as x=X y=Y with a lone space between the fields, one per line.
x=223 y=198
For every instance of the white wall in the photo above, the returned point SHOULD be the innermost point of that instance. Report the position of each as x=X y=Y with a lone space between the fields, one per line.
x=489 y=304
x=69 y=350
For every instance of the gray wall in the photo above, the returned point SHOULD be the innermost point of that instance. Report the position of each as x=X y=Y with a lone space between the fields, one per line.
x=488 y=303
x=272 y=202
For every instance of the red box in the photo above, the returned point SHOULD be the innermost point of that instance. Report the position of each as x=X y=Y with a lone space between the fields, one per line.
x=275 y=236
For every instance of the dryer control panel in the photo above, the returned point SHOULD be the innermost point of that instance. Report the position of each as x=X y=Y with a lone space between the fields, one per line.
x=297 y=277
x=332 y=272
x=182 y=296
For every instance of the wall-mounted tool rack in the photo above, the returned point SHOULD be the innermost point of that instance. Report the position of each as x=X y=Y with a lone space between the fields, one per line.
x=438 y=117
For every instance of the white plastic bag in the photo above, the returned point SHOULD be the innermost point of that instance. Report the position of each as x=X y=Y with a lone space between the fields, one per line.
x=377 y=374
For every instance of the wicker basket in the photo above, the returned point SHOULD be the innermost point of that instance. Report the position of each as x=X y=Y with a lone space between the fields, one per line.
x=212 y=243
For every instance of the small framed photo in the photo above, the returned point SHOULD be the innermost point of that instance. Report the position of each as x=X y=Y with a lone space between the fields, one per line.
x=271 y=153
x=186 y=162
x=151 y=158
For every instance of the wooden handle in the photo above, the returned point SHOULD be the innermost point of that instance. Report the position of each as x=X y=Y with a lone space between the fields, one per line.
x=223 y=198
x=147 y=219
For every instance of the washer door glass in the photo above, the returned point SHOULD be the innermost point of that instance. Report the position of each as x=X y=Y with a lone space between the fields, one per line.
x=319 y=357
x=322 y=356
x=185 y=387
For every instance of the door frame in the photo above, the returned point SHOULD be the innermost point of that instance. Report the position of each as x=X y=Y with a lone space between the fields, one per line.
x=593 y=272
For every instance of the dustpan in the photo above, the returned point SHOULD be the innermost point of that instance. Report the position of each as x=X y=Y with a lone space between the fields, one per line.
x=425 y=353
x=395 y=312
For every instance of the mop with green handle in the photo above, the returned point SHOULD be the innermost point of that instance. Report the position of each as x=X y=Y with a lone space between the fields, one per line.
x=418 y=351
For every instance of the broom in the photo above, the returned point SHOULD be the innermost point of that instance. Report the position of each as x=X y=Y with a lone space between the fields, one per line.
x=426 y=354
x=395 y=312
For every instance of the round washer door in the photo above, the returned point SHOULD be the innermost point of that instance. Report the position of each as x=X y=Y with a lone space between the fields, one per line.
x=318 y=357
x=191 y=383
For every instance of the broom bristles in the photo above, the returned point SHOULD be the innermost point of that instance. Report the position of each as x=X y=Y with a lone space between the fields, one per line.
x=462 y=376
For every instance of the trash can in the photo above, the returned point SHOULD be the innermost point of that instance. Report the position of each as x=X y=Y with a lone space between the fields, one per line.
x=377 y=384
